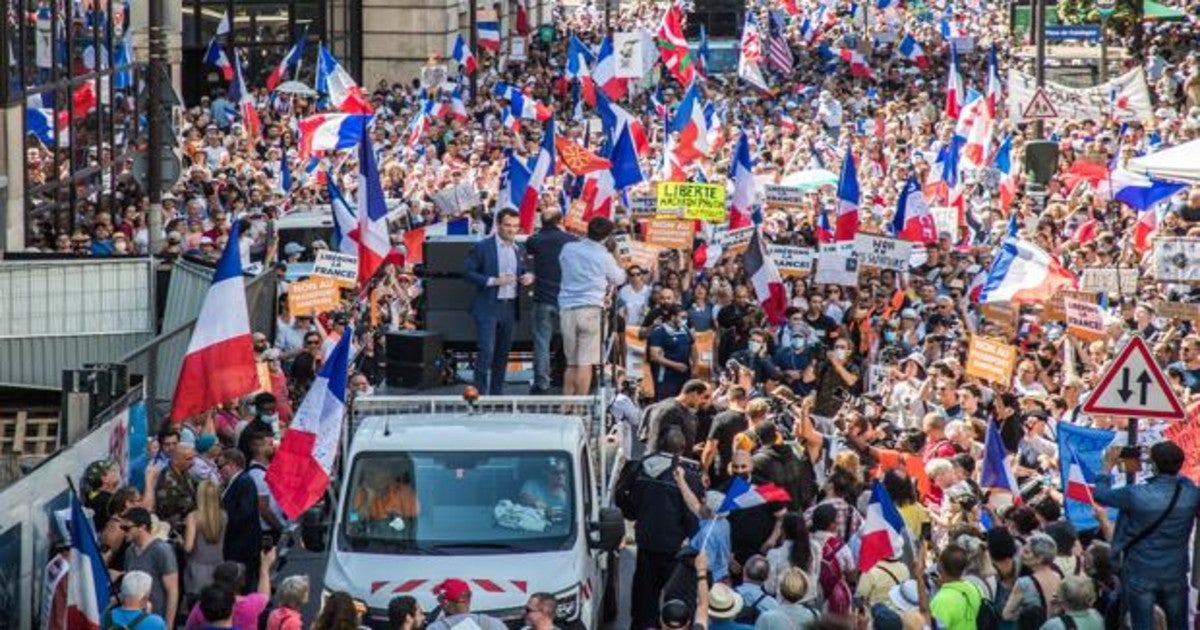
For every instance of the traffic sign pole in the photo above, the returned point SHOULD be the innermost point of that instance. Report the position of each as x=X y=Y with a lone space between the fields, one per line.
x=1131 y=433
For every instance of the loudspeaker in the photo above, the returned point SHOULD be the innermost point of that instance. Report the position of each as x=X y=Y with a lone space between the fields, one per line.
x=1041 y=160
x=457 y=327
x=414 y=375
x=414 y=346
x=447 y=255
x=448 y=293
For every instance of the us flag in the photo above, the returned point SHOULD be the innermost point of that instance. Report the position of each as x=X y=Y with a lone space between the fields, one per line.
x=779 y=50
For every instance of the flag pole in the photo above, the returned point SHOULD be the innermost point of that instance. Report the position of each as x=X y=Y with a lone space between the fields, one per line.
x=90 y=529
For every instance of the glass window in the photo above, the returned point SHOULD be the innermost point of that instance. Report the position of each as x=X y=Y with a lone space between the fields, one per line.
x=475 y=502
x=261 y=23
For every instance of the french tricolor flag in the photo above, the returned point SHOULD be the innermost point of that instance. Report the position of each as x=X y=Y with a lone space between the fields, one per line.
x=331 y=132
x=882 y=534
x=489 y=36
x=215 y=56
x=463 y=56
x=375 y=246
x=847 y=200
x=912 y=51
x=1024 y=273
x=764 y=276
x=414 y=240
x=1008 y=177
x=219 y=365
x=87 y=579
x=344 y=93
x=286 y=65
x=741 y=202
x=912 y=220
x=605 y=72
x=345 y=233
x=540 y=167
x=954 y=88
x=1077 y=486
x=995 y=472
x=692 y=126
x=303 y=466
x=742 y=495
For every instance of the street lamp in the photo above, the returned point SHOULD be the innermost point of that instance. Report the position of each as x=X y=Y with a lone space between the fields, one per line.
x=1106 y=9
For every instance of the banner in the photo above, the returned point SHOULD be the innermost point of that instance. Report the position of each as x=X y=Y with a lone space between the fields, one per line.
x=1089 y=444
x=699 y=201
x=945 y=221
x=1084 y=320
x=313 y=296
x=1125 y=98
x=341 y=267
x=885 y=252
x=1177 y=310
x=992 y=360
x=1119 y=280
x=732 y=241
x=1187 y=435
x=1177 y=259
x=627 y=53
x=780 y=195
x=670 y=233
x=792 y=260
x=643 y=205
x=836 y=264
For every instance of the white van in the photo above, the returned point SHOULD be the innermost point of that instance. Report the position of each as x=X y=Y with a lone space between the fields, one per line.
x=508 y=494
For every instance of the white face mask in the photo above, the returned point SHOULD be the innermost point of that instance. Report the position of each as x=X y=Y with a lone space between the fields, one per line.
x=841 y=354
x=755 y=347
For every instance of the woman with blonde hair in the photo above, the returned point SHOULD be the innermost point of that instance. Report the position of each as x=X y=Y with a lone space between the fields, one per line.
x=203 y=536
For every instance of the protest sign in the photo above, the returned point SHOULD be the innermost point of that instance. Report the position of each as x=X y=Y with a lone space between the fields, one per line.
x=1123 y=280
x=884 y=252
x=1177 y=310
x=1054 y=311
x=836 y=264
x=1084 y=319
x=704 y=348
x=670 y=233
x=627 y=52
x=433 y=76
x=342 y=268
x=992 y=360
x=1126 y=97
x=623 y=250
x=643 y=205
x=780 y=195
x=945 y=221
x=1002 y=313
x=732 y=241
x=457 y=198
x=669 y=213
x=312 y=296
x=699 y=201
x=644 y=255
x=1177 y=259
x=518 y=49
x=791 y=260
x=1186 y=434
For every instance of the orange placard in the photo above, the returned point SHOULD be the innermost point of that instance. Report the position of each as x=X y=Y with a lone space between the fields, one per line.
x=1187 y=435
x=992 y=360
x=645 y=255
x=670 y=233
x=312 y=296
x=704 y=347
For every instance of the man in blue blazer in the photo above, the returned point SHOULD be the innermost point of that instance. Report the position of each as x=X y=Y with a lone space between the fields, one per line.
x=495 y=267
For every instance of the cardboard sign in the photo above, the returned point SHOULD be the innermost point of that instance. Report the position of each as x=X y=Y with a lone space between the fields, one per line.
x=992 y=360
x=644 y=255
x=457 y=198
x=699 y=201
x=882 y=251
x=945 y=221
x=704 y=347
x=669 y=213
x=342 y=268
x=517 y=47
x=779 y=195
x=1003 y=313
x=643 y=205
x=1123 y=281
x=792 y=260
x=836 y=264
x=1055 y=311
x=1177 y=259
x=316 y=295
x=1177 y=310
x=623 y=248
x=670 y=233
x=733 y=241
x=1187 y=435
x=627 y=52
x=1084 y=320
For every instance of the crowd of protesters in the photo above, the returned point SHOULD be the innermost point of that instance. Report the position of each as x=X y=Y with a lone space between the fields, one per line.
x=859 y=383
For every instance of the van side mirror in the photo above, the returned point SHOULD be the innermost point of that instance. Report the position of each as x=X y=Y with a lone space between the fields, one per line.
x=610 y=529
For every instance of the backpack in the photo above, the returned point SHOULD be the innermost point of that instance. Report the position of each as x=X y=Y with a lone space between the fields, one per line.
x=622 y=492
x=986 y=616
x=750 y=610
x=1032 y=617
x=109 y=624
x=833 y=582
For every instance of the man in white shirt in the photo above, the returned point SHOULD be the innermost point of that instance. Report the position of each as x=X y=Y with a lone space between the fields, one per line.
x=633 y=297
x=589 y=270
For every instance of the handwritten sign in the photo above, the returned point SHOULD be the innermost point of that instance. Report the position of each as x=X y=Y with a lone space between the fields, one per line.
x=704 y=347
x=779 y=195
x=1084 y=320
x=1002 y=313
x=312 y=296
x=992 y=360
x=1055 y=311
x=699 y=201
x=1186 y=434
x=945 y=221
x=792 y=260
x=343 y=268
x=882 y=251
x=645 y=255
x=623 y=252
x=643 y=205
x=670 y=233
x=1177 y=259
x=836 y=264
x=1177 y=310
x=1123 y=281
x=1128 y=92
x=457 y=198
x=732 y=241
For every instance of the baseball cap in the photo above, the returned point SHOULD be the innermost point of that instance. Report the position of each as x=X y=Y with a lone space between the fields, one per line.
x=452 y=590
x=205 y=442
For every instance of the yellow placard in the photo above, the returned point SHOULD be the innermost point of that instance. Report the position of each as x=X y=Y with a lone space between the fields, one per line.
x=699 y=201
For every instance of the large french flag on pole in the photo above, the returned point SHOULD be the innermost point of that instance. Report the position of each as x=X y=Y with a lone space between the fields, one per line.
x=344 y=93
x=215 y=56
x=375 y=245
x=912 y=221
x=1024 y=273
x=764 y=275
x=882 y=534
x=742 y=495
x=331 y=132
x=219 y=365
x=87 y=579
x=302 y=467
x=286 y=65
x=741 y=202
x=847 y=201
x=995 y=472
x=541 y=167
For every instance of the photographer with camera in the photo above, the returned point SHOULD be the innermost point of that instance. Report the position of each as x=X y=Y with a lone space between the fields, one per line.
x=833 y=370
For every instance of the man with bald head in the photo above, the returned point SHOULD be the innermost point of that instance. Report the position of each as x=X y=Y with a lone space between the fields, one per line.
x=543 y=249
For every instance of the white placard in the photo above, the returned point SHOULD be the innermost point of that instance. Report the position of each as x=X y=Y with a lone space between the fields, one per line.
x=340 y=267
x=517 y=50
x=643 y=206
x=1177 y=259
x=882 y=251
x=729 y=239
x=433 y=76
x=790 y=258
x=945 y=221
x=1123 y=281
x=836 y=264
x=627 y=54
x=779 y=195
x=1131 y=102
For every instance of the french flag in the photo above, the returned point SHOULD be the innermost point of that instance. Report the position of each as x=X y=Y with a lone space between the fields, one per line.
x=331 y=132
x=599 y=190
x=859 y=66
x=344 y=94
x=541 y=166
x=614 y=118
x=882 y=534
x=909 y=49
x=692 y=126
x=417 y=127
x=346 y=229
x=1008 y=178
x=847 y=200
x=522 y=21
x=219 y=366
x=87 y=578
x=215 y=56
x=626 y=170
x=1024 y=273
x=414 y=240
x=823 y=229
x=605 y=72
x=1138 y=191
x=1145 y=229
x=463 y=56
x=992 y=89
x=375 y=247
x=912 y=220
x=521 y=105
x=514 y=180
x=995 y=472
x=240 y=94
x=287 y=65
x=768 y=284
x=954 y=88
x=489 y=36
x=41 y=122
x=742 y=495
x=741 y=202
x=301 y=470
x=510 y=120
x=1077 y=486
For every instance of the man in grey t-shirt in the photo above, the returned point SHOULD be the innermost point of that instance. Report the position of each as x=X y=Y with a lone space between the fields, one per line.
x=156 y=558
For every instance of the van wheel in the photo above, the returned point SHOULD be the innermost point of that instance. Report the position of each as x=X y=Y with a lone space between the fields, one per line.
x=611 y=596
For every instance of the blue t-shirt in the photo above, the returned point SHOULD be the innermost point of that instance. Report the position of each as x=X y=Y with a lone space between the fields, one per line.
x=676 y=346
x=125 y=617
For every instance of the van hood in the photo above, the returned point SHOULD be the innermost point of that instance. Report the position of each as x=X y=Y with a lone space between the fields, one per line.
x=500 y=583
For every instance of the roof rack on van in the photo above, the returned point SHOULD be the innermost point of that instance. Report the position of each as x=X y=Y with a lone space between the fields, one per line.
x=590 y=408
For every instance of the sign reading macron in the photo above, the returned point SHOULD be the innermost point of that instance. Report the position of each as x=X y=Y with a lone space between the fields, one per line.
x=699 y=201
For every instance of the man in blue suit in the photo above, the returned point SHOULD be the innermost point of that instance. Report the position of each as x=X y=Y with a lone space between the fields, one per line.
x=495 y=267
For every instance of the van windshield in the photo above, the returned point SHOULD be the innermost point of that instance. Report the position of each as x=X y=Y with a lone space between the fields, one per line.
x=459 y=503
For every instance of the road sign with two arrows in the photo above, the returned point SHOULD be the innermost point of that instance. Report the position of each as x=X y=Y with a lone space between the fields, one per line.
x=1134 y=387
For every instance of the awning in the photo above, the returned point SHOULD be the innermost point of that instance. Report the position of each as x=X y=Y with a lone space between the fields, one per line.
x=1180 y=163
x=1161 y=12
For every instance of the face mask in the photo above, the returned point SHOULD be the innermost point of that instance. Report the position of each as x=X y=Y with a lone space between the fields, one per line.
x=270 y=418
x=369 y=391
x=755 y=347
x=798 y=343
x=841 y=354
x=889 y=336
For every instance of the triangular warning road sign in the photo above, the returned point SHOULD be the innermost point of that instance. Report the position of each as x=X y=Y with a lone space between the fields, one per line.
x=1039 y=106
x=1134 y=387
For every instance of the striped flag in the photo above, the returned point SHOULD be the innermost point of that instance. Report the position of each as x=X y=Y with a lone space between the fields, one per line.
x=779 y=51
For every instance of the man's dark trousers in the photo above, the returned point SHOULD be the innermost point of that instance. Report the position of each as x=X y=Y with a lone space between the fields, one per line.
x=495 y=340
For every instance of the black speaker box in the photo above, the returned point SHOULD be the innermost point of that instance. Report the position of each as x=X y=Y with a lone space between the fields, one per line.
x=447 y=293
x=414 y=346
x=457 y=327
x=1041 y=160
x=414 y=375
x=447 y=255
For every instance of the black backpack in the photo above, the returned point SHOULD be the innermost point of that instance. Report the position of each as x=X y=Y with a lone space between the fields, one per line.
x=750 y=610
x=109 y=624
x=622 y=493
